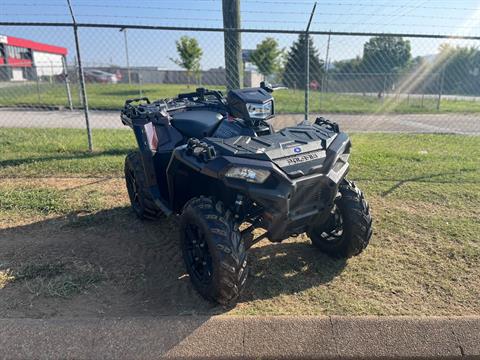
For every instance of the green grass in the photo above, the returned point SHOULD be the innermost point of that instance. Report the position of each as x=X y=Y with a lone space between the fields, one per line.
x=113 y=96
x=414 y=157
x=392 y=157
x=59 y=152
x=27 y=199
x=423 y=190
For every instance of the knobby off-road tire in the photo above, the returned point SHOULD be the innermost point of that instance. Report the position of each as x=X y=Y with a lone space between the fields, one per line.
x=347 y=232
x=215 y=256
x=140 y=198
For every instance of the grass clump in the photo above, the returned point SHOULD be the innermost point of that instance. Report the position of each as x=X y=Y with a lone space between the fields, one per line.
x=6 y=277
x=59 y=279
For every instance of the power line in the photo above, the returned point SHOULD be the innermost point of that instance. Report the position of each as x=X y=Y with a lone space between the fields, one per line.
x=35 y=15
x=152 y=18
x=350 y=4
x=154 y=8
x=245 y=11
x=34 y=5
x=343 y=4
x=393 y=25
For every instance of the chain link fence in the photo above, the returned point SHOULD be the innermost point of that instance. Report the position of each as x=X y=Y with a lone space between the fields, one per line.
x=366 y=82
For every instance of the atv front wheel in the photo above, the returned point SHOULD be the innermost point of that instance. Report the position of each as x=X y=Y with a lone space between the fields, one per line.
x=215 y=256
x=140 y=198
x=347 y=231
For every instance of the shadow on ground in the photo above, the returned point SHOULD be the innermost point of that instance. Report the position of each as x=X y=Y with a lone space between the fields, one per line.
x=129 y=268
x=67 y=156
x=426 y=178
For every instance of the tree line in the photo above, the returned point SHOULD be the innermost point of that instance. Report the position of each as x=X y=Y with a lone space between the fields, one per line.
x=459 y=67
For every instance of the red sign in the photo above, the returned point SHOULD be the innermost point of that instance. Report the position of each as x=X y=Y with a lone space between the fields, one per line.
x=36 y=46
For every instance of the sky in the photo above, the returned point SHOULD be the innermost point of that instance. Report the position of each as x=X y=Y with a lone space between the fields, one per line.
x=157 y=48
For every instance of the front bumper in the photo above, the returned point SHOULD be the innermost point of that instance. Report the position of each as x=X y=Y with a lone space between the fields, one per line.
x=288 y=204
x=307 y=199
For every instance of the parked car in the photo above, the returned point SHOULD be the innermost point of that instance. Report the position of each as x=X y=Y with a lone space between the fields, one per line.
x=99 y=76
x=314 y=85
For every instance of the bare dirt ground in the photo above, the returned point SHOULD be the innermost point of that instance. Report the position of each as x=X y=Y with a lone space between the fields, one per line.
x=119 y=264
x=106 y=263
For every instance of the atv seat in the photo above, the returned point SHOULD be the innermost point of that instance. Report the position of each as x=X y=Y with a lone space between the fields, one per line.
x=197 y=123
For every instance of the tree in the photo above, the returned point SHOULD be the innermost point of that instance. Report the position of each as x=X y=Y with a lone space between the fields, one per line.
x=460 y=67
x=267 y=56
x=294 y=71
x=190 y=54
x=384 y=54
x=347 y=66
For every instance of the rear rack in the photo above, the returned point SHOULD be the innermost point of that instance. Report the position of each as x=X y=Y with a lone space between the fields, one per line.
x=142 y=110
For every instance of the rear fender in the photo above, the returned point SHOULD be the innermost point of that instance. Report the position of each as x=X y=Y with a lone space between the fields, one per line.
x=147 y=140
x=147 y=143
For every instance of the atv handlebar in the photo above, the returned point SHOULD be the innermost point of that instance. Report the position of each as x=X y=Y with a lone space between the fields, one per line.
x=200 y=94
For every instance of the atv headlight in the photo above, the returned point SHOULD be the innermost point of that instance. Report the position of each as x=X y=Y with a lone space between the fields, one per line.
x=251 y=175
x=259 y=111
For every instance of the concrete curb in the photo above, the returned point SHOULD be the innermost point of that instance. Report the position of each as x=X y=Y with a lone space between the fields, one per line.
x=229 y=337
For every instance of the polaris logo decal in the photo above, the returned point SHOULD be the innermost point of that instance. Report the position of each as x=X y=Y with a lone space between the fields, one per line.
x=297 y=149
x=293 y=160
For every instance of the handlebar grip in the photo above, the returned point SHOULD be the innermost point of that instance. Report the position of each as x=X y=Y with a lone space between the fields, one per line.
x=129 y=101
x=188 y=95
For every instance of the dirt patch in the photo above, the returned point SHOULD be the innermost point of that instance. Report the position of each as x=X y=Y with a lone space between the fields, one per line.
x=106 y=263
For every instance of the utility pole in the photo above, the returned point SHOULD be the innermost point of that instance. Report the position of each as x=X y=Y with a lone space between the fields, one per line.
x=124 y=30
x=233 y=45
x=307 y=63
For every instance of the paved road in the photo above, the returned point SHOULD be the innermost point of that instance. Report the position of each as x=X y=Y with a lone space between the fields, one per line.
x=250 y=337
x=414 y=123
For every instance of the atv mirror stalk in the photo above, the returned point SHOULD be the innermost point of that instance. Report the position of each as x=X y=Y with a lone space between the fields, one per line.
x=266 y=86
x=271 y=88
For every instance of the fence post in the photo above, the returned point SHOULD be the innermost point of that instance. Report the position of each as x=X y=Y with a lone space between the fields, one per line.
x=307 y=64
x=440 y=88
x=384 y=86
x=81 y=79
x=38 y=90
x=124 y=30
x=67 y=83
x=325 y=72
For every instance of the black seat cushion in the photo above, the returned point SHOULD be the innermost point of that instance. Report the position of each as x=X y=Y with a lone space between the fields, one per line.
x=196 y=123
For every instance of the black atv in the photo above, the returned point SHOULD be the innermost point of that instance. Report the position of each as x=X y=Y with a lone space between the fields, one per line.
x=218 y=163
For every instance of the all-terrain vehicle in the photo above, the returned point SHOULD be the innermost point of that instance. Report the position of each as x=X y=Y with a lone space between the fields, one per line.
x=218 y=163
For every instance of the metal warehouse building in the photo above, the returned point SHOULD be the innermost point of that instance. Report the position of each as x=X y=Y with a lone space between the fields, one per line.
x=22 y=59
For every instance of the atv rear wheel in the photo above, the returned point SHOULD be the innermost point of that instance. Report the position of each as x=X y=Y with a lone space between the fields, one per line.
x=347 y=231
x=140 y=198
x=215 y=256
